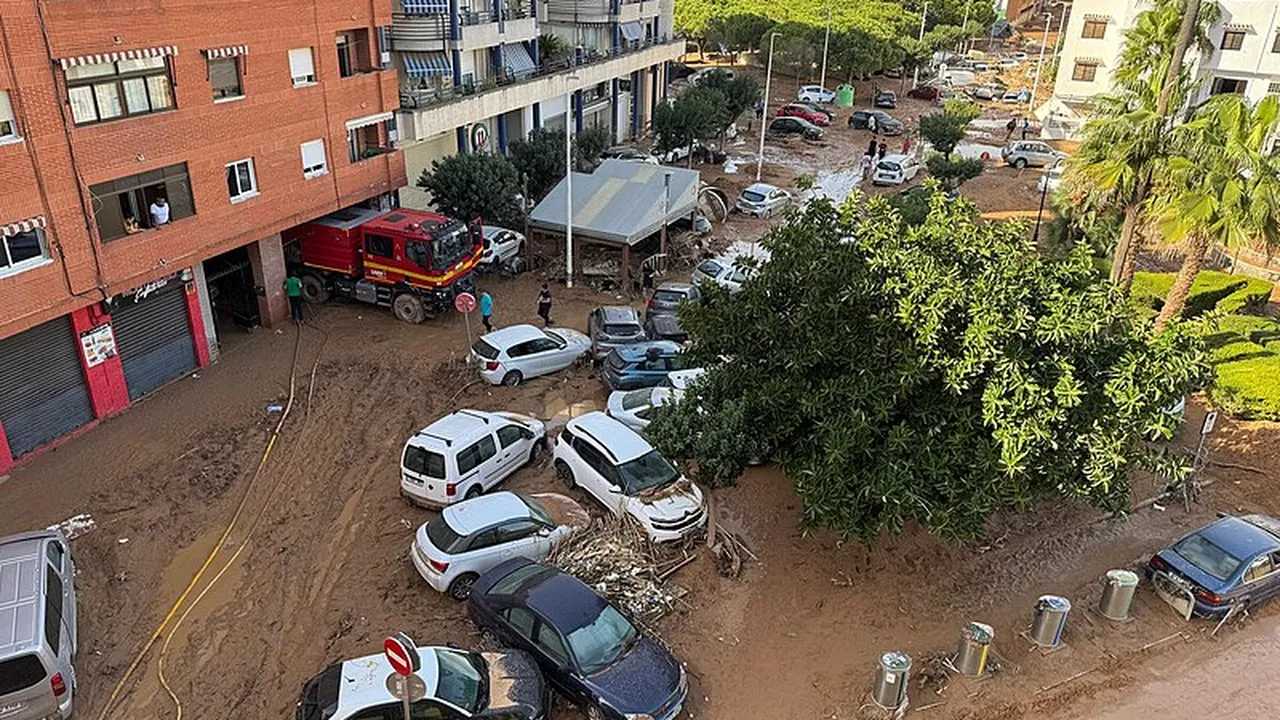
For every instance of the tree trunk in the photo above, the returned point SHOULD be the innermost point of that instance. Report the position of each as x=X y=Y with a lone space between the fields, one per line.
x=1186 y=32
x=1197 y=246
x=1122 y=258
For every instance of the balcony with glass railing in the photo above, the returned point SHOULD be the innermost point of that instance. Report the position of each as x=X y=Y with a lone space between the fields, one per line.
x=424 y=25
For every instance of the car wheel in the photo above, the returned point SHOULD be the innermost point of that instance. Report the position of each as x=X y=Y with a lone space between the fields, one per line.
x=595 y=713
x=474 y=492
x=408 y=308
x=565 y=474
x=460 y=588
x=512 y=378
x=1020 y=163
x=534 y=452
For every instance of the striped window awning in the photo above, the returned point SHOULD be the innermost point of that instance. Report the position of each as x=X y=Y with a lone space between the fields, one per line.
x=139 y=54
x=1093 y=17
x=226 y=52
x=426 y=7
x=1238 y=27
x=516 y=59
x=368 y=120
x=11 y=229
x=632 y=31
x=426 y=64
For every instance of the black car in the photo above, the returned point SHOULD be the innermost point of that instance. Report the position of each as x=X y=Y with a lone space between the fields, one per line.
x=588 y=650
x=783 y=126
x=885 y=123
x=885 y=99
x=665 y=327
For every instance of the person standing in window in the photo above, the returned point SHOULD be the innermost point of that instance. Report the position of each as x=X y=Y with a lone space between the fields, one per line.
x=159 y=212
x=293 y=288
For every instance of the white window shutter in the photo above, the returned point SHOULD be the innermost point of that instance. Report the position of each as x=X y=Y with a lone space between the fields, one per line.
x=6 y=109
x=300 y=64
x=313 y=156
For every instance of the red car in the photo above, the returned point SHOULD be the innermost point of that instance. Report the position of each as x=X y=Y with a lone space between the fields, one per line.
x=804 y=113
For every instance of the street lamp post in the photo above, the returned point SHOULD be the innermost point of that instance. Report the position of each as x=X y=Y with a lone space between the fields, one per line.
x=764 y=116
x=1044 y=190
x=666 y=211
x=568 y=179
x=1044 y=42
x=915 y=77
x=964 y=46
x=826 y=43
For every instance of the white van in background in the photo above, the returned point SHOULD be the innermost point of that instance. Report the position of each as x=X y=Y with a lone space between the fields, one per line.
x=37 y=626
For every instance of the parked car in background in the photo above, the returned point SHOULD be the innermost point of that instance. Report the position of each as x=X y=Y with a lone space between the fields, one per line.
x=885 y=99
x=1008 y=63
x=818 y=109
x=803 y=112
x=626 y=152
x=815 y=94
x=893 y=72
x=667 y=297
x=895 y=170
x=501 y=246
x=1016 y=96
x=925 y=92
x=723 y=271
x=459 y=684
x=613 y=326
x=38 y=628
x=1232 y=561
x=885 y=123
x=468 y=538
x=682 y=379
x=988 y=91
x=634 y=408
x=665 y=327
x=640 y=365
x=787 y=126
x=762 y=200
x=626 y=475
x=511 y=355
x=702 y=73
x=465 y=453
x=590 y=652
x=1051 y=180
x=1030 y=153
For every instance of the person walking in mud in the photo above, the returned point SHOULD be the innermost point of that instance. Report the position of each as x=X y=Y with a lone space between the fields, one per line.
x=1009 y=127
x=486 y=311
x=544 y=305
x=293 y=289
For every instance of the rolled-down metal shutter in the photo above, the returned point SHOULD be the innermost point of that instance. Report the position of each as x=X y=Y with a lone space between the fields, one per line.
x=42 y=389
x=153 y=339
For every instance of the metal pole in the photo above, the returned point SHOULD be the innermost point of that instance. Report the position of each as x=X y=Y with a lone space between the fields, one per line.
x=1057 y=43
x=666 y=210
x=915 y=77
x=408 y=711
x=1044 y=190
x=568 y=185
x=826 y=43
x=764 y=116
x=1044 y=41
x=964 y=45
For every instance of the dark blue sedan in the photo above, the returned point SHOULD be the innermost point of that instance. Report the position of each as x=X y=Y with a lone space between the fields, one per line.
x=641 y=365
x=588 y=650
x=1230 y=562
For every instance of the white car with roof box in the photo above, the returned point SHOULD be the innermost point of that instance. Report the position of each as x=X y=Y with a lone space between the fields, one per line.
x=459 y=684
x=38 y=639
x=465 y=453
x=511 y=355
x=625 y=474
x=468 y=538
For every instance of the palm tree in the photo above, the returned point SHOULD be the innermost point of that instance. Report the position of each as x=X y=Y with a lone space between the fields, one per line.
x=1229 y=195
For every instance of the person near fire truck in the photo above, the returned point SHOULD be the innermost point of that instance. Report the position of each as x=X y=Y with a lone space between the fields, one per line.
x=293 y=288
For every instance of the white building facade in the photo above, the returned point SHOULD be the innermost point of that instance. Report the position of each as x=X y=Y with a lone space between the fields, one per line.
x=473 y=79
x=1244 y=59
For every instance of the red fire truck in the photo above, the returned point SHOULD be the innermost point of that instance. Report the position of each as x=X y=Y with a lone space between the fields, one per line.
x=411 y=261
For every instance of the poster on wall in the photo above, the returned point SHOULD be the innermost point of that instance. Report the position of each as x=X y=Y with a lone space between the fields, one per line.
x=98 y=344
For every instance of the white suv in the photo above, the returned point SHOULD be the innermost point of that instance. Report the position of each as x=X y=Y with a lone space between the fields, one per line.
x=465 y=453
x=627 y=475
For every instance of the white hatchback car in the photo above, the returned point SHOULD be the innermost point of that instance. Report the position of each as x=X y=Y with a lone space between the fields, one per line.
x=465 y=453
x=467 y=539
x=621 y=470
x=720 y=271
x=634 y=408
x=895 y=170
x=815 y=94
x=514 y=354
x=763 y=200
x=501 y=246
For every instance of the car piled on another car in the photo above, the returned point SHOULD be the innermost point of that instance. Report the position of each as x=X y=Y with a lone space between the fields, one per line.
x=611 y=327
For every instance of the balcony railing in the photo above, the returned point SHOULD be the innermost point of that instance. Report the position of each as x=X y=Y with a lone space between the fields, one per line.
x=431 y=27
x=421 y=98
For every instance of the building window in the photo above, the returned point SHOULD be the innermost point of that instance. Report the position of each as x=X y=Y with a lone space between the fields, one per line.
x=22 y=250
x=141 y=202
x=1084 y=72
x=1275 y=44
x=8 y=125
x=224 y=76
x=242 y=184
x=354 y=53
x=1233 y=40
x=1094 y=29
x=1273 y=88
x=106 y=91
x=313 y=162
x=301 y=67
x=370 y=140
x=1228 y=86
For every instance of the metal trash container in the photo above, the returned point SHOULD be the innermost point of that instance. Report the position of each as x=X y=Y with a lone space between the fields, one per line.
x=1049 y=620
x=975 y=641
x=892 y=676
x=1117 y=594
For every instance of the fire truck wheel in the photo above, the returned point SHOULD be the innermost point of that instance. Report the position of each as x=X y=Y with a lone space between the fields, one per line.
x=408 y=308
x=314 y=289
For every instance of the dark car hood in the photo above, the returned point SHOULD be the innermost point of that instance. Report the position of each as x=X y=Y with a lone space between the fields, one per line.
x=514 y=683
x=642 y=681
x=1188 y=570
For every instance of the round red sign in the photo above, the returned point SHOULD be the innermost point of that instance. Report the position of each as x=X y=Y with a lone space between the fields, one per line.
x=398 y=655
x=465 y=303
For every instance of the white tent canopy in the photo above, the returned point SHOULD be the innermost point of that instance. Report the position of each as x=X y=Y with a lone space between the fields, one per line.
x=620 y=203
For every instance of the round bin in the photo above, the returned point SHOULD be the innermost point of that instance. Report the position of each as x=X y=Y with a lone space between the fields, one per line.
x=1117 y=594
x=891 y=680
x=844 y=96
x=1049 y=620
x=975 y=642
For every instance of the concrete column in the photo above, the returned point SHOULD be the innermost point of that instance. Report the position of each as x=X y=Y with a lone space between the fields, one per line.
x=637 y=100
x=108 y=391
x=613 y=110
x=501 y=120
x=577 y=111
x=206 y=311
x=537 y=116
x=461 y=133
x=653 y=93
x=266 y=258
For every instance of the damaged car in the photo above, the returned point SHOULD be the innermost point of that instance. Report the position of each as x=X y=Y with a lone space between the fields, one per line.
x=1230 y=563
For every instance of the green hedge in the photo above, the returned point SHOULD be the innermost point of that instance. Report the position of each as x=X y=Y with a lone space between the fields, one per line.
x=1212 y=289
x=1246 y=354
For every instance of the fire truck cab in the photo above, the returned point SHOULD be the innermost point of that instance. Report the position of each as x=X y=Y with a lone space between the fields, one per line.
x=411 y=261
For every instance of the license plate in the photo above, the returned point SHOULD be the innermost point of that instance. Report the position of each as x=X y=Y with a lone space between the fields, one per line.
x=1174 y=593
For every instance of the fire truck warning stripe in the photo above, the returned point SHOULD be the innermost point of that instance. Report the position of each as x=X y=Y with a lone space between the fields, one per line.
x=460 y=269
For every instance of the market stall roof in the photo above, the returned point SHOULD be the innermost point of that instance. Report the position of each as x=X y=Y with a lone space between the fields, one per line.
x=620 y=203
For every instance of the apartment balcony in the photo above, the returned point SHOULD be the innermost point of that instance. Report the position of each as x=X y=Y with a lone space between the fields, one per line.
x=599 y=11
x=424 y=113
x=634 y=10
x=414 y=32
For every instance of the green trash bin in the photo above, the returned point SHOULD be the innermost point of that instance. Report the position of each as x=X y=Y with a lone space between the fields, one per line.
x=844 y=96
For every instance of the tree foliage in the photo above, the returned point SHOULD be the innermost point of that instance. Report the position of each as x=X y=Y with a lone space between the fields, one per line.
x=470 y=185
x=552 y=48
x=697 y=114
x=540 y=157
x=953 y=172
x=738 y=94
x=930 y=374
x=944 y=130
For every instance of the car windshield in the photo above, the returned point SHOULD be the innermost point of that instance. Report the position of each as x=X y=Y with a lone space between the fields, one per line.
x=668 y=296
x=443 y=536
x=449 y=245
x=462 y=680
x=635 y=399
x=557 y=338
x=889 y=166
x=538 y=512
x=710 y=268
x=1208 y=557
x=602 y=641
x=752 y=196
x=647 y=472
x=484 y=350
x=622 y=329
x=319 y=696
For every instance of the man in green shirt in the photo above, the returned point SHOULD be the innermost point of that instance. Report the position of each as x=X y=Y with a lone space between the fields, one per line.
x=293 y=288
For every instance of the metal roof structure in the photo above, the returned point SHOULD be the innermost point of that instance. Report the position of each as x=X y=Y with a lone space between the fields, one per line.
x=620 y=203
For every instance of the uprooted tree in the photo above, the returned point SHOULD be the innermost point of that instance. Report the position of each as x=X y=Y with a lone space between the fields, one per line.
x=933 y=373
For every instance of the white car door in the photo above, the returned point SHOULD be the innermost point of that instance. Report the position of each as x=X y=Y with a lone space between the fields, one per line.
x=476 y=464
x=599 y=477
x=524 y=538
x=909 y=169
x=513 y=449
x=555 y=356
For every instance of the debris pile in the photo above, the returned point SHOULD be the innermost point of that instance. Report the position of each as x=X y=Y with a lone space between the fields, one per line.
x=616 y=559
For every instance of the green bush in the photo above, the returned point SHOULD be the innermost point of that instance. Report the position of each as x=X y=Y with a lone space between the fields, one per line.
x=1246 y=355
x=1211 y=290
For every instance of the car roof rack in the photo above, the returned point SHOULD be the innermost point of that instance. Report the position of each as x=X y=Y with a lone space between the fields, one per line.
x=447 y=442
x=474 y=414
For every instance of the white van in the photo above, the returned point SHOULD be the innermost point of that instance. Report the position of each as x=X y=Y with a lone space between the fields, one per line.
x=37 y=626
x=465 y=453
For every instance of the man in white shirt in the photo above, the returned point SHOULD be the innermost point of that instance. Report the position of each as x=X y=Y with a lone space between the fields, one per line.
x=159 y=212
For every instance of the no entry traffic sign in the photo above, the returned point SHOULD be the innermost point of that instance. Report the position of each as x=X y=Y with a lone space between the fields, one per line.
x=464 y=303
x=402 y=653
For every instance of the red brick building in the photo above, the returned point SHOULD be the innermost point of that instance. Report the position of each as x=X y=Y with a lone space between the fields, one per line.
x=245 y=117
